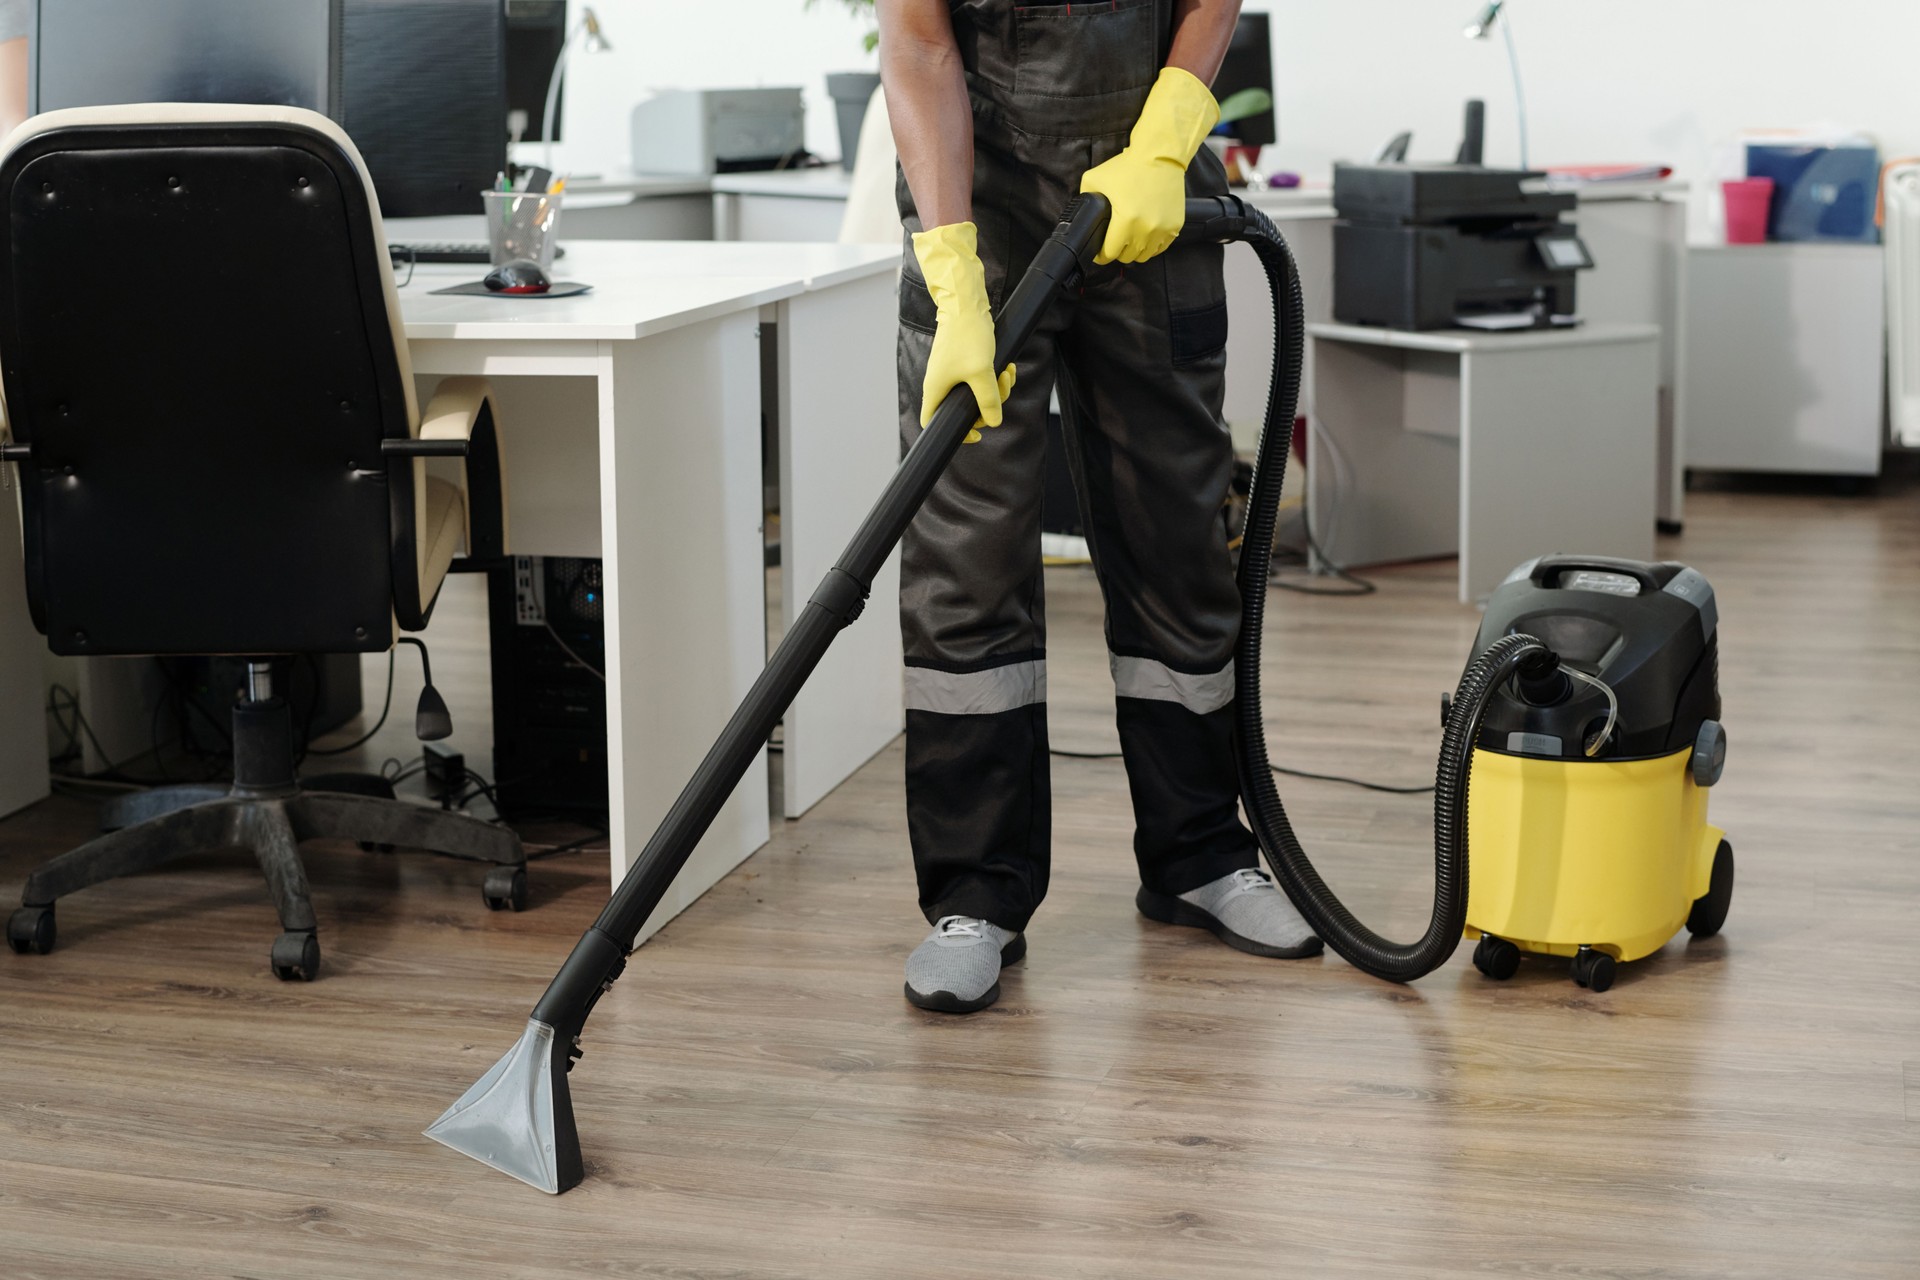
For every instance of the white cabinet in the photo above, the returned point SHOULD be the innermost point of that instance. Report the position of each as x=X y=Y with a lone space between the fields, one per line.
x=1786 y=358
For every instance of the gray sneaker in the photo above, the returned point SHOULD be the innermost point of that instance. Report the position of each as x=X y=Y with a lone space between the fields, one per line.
x=957 y=969
x=1244 y=909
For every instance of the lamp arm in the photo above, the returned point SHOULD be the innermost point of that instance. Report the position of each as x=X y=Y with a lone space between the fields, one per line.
x=1519 y=93
x=547 y=114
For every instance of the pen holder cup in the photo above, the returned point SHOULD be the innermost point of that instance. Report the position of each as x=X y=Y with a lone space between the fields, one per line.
x=522 y=225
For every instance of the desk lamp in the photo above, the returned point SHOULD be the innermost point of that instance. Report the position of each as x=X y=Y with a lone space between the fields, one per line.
x=1479 y=29
x=596 y=42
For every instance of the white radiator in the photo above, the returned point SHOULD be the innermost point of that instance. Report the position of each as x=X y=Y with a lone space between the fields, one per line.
x=1903 y=302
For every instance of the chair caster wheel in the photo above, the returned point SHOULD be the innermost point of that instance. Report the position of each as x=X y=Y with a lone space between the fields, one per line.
x=506 y=889
x=1496 y=957
x=296 y=957
x=1593 y=970
x=30 y=931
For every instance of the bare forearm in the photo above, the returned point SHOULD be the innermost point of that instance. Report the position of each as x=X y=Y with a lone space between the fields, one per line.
x=927 y=103
x=1202 y=31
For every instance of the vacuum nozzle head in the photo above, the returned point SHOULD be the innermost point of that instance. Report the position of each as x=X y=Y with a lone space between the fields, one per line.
x=518 y=1117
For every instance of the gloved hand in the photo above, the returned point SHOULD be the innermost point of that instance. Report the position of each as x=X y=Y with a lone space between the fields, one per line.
x=963 y=334
x=1148 y=181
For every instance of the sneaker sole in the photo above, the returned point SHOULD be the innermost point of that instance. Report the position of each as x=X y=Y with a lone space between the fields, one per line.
x=1168 y=909
x=947 y=1002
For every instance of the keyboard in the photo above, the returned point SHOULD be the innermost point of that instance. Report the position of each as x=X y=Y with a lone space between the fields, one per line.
x=473 y=252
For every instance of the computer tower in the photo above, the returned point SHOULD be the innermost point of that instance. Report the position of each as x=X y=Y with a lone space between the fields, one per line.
x=547 y=618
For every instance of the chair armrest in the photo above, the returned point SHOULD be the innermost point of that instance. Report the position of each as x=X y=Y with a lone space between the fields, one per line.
x=411 y=448
x=460 y=421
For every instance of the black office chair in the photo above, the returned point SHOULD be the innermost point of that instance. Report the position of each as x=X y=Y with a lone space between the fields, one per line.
x=219 y=452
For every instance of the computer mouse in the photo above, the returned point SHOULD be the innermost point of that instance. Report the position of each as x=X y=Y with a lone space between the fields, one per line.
x=522 y=275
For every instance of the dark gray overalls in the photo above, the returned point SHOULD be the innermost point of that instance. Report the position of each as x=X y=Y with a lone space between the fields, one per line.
x=1139 y=361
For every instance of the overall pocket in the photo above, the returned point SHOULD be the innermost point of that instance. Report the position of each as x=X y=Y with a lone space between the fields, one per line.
x=1085 y=50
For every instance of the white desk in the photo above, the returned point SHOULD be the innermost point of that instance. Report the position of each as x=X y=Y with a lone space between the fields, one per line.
x=651 y=459
x=792 y=204
x=777 y=205
x=1495 y=447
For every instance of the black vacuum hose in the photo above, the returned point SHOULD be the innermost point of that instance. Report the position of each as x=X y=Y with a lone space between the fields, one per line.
x=1338 y=927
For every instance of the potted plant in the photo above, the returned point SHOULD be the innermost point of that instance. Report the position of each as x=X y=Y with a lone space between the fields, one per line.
x=851 y=91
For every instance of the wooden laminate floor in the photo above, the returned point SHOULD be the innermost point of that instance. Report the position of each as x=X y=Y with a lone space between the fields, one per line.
x=757 y=1100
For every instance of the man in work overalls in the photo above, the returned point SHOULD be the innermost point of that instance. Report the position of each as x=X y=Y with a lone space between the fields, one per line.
x=1002 y=112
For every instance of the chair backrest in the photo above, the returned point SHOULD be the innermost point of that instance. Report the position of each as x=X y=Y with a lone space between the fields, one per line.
x=873 y=212
x=202 y=347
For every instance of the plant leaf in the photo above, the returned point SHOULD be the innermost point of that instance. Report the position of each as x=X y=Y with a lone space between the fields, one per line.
x=1247 y=102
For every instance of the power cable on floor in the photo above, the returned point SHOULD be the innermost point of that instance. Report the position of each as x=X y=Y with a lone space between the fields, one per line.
x=1383 y=787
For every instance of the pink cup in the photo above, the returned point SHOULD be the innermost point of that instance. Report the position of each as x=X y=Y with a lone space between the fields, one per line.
x=1748 y=201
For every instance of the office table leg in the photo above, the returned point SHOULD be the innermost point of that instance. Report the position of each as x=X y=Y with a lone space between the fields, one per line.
x=680 y=512
x=839 y=444
x=1383 y=464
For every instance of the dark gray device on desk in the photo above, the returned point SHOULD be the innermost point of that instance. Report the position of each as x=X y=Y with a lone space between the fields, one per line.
x=1437 y=246
x=420 y=85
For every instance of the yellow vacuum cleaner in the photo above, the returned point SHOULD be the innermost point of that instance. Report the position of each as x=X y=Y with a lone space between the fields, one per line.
x=1587 y=819
x=1570 y=812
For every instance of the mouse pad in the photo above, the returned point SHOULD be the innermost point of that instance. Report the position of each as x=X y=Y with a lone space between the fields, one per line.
x=478 y=289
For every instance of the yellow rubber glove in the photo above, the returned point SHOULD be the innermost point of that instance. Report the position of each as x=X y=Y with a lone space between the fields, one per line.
x=963 y=333
x=1148 y=181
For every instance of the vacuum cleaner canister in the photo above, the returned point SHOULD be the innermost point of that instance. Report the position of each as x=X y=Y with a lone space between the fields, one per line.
x=1587 y=814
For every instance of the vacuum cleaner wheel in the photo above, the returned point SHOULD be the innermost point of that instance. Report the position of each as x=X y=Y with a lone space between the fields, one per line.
x=1710 y=909
x=1593 y=970
x=1496 y=957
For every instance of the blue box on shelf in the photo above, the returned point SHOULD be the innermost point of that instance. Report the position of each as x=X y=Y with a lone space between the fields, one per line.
x=1819 y=193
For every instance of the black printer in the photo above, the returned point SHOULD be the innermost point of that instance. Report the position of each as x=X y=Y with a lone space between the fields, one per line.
x=1441 y=246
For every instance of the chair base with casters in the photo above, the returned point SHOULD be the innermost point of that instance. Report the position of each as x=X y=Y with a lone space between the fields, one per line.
x=268 y=811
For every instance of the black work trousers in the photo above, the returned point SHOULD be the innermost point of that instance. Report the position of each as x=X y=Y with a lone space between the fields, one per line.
x=1138 y=359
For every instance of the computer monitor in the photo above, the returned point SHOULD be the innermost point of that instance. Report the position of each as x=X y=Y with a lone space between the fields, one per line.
x=536 y=30
x=1249 y=65
x=419 y=85
x=89 y=53
x=423 y=93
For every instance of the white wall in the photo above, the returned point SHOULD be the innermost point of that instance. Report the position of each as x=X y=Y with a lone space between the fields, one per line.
x=1608 y=80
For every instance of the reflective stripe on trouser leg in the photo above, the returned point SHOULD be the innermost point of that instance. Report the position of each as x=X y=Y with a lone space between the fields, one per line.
x=1145 y=678
x=978 y=693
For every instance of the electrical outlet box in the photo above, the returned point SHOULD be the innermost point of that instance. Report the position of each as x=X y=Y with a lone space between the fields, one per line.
x=446 y=770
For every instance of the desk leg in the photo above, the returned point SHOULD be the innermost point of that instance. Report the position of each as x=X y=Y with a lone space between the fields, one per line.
x=680 y=512
x=839 y=444
x=1382 y=472
x=1558 y=453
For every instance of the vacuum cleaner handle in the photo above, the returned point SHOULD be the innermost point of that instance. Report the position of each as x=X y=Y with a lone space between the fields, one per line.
x=601 y=953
